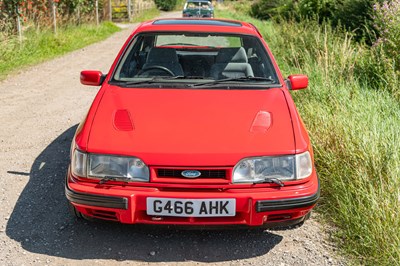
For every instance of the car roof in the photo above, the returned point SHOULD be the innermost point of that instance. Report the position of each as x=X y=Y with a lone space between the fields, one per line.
x=198 y=25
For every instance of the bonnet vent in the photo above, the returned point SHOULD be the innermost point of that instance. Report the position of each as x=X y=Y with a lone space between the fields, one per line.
x=261 y=122
x=122 y=120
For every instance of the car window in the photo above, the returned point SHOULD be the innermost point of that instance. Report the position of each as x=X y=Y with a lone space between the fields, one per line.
x=190 y=58
x=192 y=5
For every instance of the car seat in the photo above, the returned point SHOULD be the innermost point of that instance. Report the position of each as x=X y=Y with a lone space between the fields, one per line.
x=164 y=57
x=231 y=63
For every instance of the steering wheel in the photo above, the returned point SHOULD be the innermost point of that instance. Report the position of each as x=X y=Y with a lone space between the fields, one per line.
x=146 y=69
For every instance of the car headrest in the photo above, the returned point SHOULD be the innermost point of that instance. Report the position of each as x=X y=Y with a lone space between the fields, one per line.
x=231 y=55
x=162 y=55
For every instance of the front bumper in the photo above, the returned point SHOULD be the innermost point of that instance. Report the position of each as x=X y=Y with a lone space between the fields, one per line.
x=257 y=206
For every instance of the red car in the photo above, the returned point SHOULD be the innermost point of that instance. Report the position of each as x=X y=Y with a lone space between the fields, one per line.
x=193 y=125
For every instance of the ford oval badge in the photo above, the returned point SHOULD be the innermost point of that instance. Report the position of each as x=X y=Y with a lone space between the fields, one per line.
x=191 y=173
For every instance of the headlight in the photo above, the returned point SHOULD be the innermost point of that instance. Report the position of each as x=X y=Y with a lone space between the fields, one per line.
x=127 y=169
x=284 y=168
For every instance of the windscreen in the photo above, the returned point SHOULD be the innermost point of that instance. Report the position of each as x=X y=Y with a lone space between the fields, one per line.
x=193 y=5
x=195 y=58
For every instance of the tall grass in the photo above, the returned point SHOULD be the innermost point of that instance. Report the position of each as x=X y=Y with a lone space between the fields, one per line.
x=352 y=111
x=146 y=15
x=39 y=46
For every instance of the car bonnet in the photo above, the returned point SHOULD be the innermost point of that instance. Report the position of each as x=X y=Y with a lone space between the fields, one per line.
x=192 y=127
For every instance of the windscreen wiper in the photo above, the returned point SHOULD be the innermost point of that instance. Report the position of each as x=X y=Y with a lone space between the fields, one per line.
x=240 y=79
x=146 y=81
x=184 y=77
x=270 y=180
x=157 y=80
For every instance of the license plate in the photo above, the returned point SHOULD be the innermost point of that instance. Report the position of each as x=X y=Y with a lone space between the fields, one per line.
x=191 y=207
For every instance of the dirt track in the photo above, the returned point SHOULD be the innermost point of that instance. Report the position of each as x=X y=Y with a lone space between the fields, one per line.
x=40 y=108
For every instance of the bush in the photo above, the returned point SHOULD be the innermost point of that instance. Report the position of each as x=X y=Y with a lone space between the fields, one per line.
x=317 y=9
x=267 y=9
x=387 y=24
x=166 y=5
x=356 y=16
x=353 y=15
x=320 y=9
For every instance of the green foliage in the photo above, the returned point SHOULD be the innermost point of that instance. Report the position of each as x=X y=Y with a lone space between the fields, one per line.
x=272 y=9
x=166 y=5
x=84 y=7
x=317 y=9
x=146 y=15
x=387 y=24
x=44 y=45
x=352 y=111
x=179 y=5
x=356 y=16
x=353 y=15
x=39 y=14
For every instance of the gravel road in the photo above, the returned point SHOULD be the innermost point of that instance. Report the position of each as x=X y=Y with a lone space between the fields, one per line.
x=40 y=108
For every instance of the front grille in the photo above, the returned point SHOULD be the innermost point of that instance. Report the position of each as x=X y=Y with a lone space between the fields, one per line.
x=219 y=173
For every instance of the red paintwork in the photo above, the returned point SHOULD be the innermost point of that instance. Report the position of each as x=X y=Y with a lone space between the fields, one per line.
x=199 y=128
x=193 y=134
x=92 y=78
x=298 y=82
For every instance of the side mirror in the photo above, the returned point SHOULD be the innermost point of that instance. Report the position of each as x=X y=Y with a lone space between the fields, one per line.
x=298 y=82
x=92 y=77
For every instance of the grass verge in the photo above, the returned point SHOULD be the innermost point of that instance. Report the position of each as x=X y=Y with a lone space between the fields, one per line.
x=40 y=46
x=146 y=15
x=352 y=112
